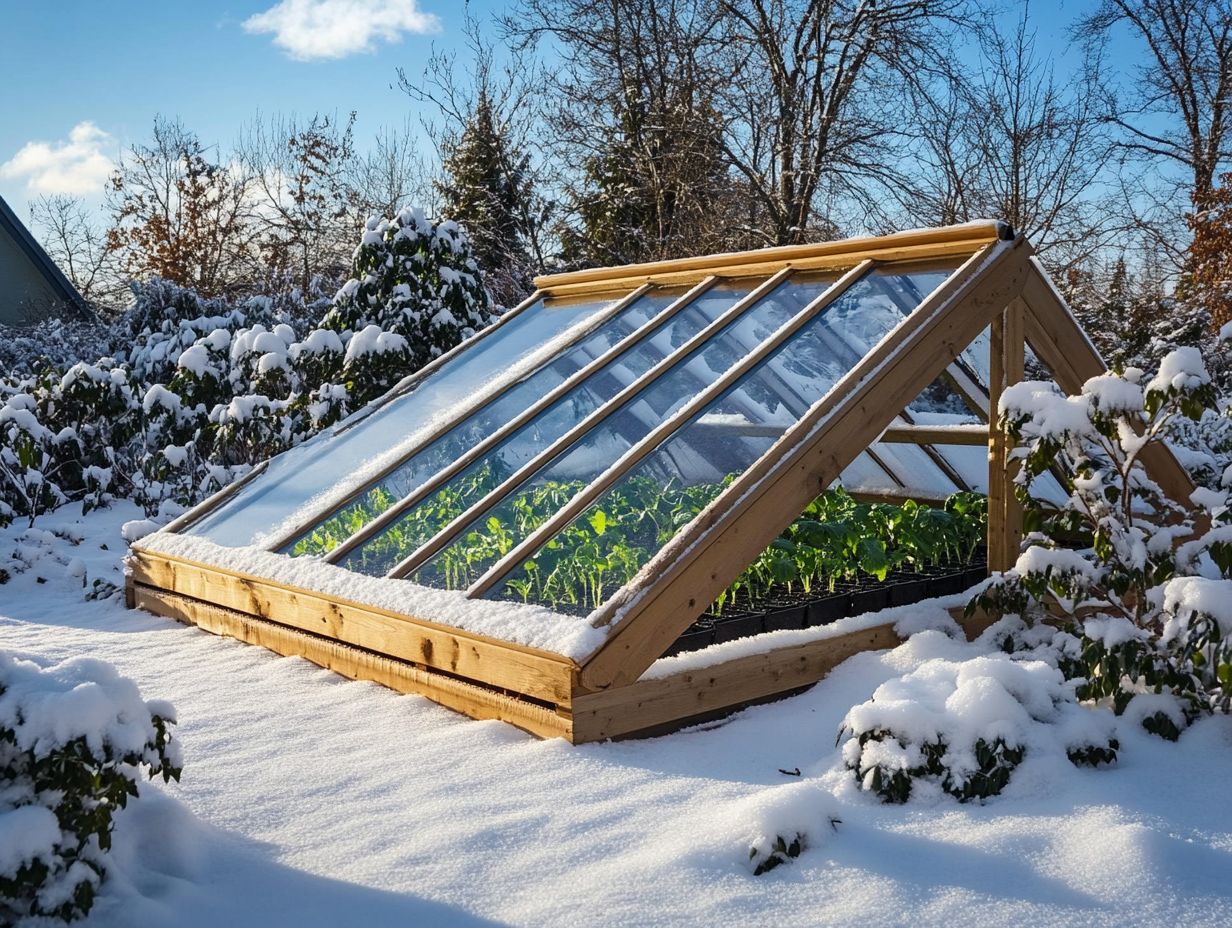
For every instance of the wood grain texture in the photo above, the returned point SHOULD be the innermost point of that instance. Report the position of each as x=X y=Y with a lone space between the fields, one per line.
x=357 y=663
x=648 y=704
x=904 y=246
x=976 y=435
x=686 y=575
x=530 y=671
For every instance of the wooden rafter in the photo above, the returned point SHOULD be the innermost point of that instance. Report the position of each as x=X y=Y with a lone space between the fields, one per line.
x=686 y=575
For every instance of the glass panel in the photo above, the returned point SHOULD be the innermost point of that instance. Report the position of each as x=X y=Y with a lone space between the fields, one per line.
x=940 y=404
x=412 y=474
x=300 y=477
x=866 y=474
x=918 y=472
x=569 y=471
x=602 y=549
x=971 y=463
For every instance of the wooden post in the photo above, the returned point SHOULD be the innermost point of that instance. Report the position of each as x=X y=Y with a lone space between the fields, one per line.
x=1015 y=351
x=996 y=446
x=1005 y=366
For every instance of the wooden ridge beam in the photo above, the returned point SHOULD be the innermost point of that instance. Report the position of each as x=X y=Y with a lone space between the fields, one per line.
x=920 y=244
x=529 y=671
x=902 y=257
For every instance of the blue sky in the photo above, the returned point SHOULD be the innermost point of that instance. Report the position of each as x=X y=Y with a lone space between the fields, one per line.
x=84 y=78
x=117 y=64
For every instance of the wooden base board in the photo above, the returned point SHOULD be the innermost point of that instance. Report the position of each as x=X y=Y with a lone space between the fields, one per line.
x=642 y=709
x=357 y=663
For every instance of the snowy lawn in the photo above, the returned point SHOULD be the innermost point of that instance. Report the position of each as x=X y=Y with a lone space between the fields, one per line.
x=310 y=800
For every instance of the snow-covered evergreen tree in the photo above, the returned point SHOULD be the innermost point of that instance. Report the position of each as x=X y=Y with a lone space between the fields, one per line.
x=415 y=279
x=486 y=187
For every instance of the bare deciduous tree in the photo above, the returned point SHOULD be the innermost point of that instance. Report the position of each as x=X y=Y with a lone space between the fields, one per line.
x=813 y=99
x=78 y=245
x=180 y=214
x=391 y=173
x=635 y=125
x=504 y=96
x=305 y=214
x=1009 y=141
x=1179 y=107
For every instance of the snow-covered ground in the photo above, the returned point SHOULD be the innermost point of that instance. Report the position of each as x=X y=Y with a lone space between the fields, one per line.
x=310 y=800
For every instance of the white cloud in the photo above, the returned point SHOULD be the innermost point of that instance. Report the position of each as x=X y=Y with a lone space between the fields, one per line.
x=312 y=29
x=76 y=166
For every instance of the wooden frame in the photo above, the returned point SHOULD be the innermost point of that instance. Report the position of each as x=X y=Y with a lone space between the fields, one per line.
x=605 y=694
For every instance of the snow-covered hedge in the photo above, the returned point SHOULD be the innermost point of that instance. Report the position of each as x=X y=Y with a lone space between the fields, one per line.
x=74 y=740
x=192 y=392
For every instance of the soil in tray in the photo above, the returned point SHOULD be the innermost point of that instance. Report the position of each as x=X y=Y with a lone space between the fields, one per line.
x=793 y=609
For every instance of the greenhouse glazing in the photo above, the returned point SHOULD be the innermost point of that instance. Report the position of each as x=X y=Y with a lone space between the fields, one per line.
x=523 y=528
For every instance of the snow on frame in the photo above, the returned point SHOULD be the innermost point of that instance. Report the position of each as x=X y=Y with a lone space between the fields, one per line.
x=679 y=548
x=533 y=626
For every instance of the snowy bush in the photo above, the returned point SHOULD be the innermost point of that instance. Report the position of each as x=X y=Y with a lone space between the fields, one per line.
x=416 y=292
x=1147 y=575
x=188 y=393
x=74 y=740
x=963 y=727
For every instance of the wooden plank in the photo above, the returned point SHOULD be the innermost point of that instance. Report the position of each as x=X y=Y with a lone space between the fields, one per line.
x=1015 y=360
x=651 y=704
x=1061 y=344
x=896 y=498
x=357 y=663
x=530 y=671
x=937 y=434
x=645 y=445
x=686 y=574
x=997 y=548
x=645 y=704
x=914 y=245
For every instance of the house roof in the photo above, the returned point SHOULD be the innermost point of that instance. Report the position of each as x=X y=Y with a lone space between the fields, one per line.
x=38 y=257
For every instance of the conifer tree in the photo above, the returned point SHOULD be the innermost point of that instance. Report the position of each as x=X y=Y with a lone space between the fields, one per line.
x=486 y=187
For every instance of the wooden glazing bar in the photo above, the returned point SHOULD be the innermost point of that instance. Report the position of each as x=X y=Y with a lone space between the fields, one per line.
x=698 y=404
x=478 y=450
x=446 y=423
x=678 y=583
x=446 y=535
